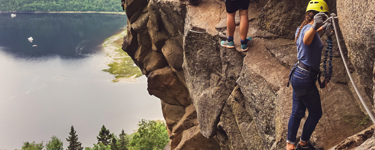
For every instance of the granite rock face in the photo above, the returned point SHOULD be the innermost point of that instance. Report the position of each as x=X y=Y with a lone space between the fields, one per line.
x=281 y=17
x=155 y=43
x=216 y=98
x=210 y=73
x=359 y=33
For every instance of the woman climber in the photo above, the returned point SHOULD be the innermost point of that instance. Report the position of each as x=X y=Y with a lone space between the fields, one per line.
x=304 y=75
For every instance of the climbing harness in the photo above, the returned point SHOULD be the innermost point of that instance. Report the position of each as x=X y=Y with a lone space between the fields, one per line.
x=369 y=112
x=304 y=67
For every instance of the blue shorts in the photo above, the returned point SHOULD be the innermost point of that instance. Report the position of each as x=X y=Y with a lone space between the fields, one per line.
x=234 y=5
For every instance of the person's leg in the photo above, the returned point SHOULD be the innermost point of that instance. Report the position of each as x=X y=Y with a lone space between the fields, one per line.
x=313 y=104
x=231 y=24
x=244 y=24
x=298 y=81
x=231 y=7
x=298 y=112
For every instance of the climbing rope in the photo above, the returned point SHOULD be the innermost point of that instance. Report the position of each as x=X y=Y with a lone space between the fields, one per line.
x=369 y=112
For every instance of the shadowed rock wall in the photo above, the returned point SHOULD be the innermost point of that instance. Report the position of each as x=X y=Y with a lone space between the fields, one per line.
x=218 y=98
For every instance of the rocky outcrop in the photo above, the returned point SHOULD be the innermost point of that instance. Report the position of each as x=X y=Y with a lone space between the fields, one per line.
x=218 y=98
x=359 y=33
x=155 y=43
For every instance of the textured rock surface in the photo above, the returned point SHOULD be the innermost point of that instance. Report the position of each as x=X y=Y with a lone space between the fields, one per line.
x=210 y=76
x=164 y=84
x=192 y=139
x=369 y=144
x=218 y=98
x=359 y=32
x=281 y=17
x=365 y=140
x=154 y=41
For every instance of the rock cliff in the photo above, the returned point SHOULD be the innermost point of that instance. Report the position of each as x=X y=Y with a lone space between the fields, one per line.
x=218 y=98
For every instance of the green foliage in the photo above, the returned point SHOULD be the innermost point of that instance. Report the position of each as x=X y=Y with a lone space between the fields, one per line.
x=365 y=120
x=114 y=144
x=99 y=146
x=74 y=144
x=61 y=5
x=151 y=135
x=54 y=144
x=32 y=146
x=123 y=66
x=123 y=141
x=120 y=143
x=123 y=69
x=104 y=136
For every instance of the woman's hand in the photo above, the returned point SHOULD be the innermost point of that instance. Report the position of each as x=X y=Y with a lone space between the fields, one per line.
x=318 y=20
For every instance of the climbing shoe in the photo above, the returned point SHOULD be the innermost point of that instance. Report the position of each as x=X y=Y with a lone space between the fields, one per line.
x=246 y=44
x=227 y=44
x=308 y=146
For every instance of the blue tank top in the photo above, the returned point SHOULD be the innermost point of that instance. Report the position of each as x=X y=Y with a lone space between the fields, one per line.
x=309 y=54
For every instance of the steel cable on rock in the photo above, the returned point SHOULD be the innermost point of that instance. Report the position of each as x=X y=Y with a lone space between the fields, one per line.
x=369 y=112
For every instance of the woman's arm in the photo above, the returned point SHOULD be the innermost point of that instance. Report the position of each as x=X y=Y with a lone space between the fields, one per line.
x=309 y=36
x=321 y=28
x=316 y=24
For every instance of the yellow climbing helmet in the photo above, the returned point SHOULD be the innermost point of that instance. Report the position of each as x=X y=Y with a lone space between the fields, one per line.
x=318 y=5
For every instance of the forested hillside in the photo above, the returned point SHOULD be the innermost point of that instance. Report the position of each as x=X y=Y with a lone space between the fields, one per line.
x=60 y=5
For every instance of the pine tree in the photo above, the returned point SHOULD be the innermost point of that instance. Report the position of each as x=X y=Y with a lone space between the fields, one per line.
x=104 y=136
x=114 y=144
x=123 y=141
x=73 y=140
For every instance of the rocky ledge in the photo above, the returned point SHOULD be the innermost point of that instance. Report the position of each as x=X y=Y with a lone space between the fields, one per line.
x=218 y=98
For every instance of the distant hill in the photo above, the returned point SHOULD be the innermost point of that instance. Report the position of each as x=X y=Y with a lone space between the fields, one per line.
x=60 y=5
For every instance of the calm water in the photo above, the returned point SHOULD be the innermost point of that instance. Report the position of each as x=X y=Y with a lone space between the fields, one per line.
x=46 y=89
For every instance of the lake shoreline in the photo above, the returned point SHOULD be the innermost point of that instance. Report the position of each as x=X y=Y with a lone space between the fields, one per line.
x=65 y=69
x=117 y=58
x=64 y=12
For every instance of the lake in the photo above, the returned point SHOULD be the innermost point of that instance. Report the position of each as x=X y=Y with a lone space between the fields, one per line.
x=57 y=81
